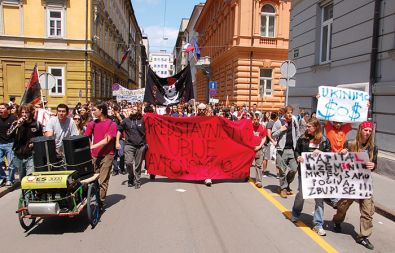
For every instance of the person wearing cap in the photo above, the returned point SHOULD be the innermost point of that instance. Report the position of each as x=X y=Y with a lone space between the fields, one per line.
x=202 y=111
x=364 y=141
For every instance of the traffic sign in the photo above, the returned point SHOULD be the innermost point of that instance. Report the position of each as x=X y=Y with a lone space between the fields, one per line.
x=290 y=83
x=212 y=85
x=212 y=93
x=47 y=81
x=288 y=69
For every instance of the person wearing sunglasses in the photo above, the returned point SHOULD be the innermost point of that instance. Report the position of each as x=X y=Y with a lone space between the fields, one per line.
x=78 y=123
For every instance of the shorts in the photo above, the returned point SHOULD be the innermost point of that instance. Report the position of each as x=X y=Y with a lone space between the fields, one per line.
x=266 y=152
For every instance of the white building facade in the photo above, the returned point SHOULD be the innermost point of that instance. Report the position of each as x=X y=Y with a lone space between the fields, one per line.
x=162 y=64
x=343 y=42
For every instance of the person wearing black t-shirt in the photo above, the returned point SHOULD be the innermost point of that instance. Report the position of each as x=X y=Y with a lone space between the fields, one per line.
x=27 y=128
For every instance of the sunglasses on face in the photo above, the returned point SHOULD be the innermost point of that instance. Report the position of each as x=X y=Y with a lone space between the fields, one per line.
x=77 y=118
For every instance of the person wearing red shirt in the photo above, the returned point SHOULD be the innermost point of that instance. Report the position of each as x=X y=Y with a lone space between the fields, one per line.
x=260 y=134
x=336 y=133
x=103 y=132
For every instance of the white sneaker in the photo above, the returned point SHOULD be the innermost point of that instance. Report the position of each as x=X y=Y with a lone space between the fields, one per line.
x=8 y=183
x=319 y=231
x=208 y=182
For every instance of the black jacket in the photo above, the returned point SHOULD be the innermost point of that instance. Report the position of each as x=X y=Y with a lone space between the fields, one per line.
x=23 y=136
x=302 y=145
x=135 y=131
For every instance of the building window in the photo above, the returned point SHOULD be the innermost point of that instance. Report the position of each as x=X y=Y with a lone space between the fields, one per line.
x=265 y=79
x=11 y=1
x=326 y=33
x=58 y=73
x=55 y=21
x=268 y=17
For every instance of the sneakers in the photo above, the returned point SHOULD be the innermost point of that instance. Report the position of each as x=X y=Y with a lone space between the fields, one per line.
x=258 y=184
x=364 y=241
x=283 y=193
x=337 y=227
x=319 y=231
x=208 y=182
x=130 y=183
x=8 y=183
x=137 y=184
x=115 y=172
x=265 y=174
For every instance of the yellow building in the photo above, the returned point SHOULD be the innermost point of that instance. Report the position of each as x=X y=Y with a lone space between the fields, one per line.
x=80 y=42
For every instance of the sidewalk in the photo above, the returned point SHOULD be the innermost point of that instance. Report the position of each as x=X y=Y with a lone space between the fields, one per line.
x=384 y=200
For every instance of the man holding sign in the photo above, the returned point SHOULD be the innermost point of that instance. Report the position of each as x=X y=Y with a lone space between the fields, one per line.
x=364 y=141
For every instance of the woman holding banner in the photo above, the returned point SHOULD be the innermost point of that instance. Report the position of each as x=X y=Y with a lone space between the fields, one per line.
x=364 y=141
x=311 y=141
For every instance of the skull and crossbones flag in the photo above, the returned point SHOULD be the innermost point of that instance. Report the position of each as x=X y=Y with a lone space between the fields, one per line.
x=169 y=90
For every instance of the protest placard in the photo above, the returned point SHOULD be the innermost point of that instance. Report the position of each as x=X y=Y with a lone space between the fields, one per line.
x=197 y=148
x=334 y=175
x=342 y=105
x=133 y=96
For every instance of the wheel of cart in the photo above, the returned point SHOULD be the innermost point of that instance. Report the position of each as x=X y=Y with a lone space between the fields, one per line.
x=93 y=202
x=26 y=222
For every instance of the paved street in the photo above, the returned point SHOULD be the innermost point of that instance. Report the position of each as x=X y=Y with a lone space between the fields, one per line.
x=173 y=216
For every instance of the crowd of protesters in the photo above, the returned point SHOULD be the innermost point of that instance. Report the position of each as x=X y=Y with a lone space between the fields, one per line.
x=119 y=144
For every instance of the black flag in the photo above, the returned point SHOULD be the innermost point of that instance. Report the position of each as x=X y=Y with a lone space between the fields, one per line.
x=170 y=90
x=33 y=89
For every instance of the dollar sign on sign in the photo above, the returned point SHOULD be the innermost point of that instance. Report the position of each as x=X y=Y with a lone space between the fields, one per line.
x=329 y=112
x=355 y=112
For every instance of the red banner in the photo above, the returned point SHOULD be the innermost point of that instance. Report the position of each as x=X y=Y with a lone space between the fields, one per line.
x=198 y=148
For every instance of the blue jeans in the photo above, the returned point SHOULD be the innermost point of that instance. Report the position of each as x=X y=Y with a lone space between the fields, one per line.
x=25 y=166
x=6 y=150
x=318 y=216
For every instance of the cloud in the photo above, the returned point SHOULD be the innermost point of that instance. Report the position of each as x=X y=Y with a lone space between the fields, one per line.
x=156 y=41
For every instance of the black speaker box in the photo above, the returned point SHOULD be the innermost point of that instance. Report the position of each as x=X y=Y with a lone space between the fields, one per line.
x=44 y=153
x=77 y=154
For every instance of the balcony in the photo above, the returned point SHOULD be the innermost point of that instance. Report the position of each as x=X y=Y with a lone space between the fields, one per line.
x=268 y=41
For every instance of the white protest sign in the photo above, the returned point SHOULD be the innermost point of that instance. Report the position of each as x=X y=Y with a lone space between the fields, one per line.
x=132 y=96
x=334 y=175
x=342 y=105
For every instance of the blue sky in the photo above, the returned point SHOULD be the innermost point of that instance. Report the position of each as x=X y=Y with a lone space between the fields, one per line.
x=151 y=16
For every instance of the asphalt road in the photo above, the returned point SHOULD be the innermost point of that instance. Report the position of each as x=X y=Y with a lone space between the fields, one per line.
x=174 y=216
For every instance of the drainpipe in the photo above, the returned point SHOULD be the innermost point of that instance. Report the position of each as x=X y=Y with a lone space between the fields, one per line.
x=86 y=50
x=251 y=52
x=374 y=54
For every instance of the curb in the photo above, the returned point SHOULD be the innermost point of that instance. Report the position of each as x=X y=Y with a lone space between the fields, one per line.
x=5 y=190
x=386 y=212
